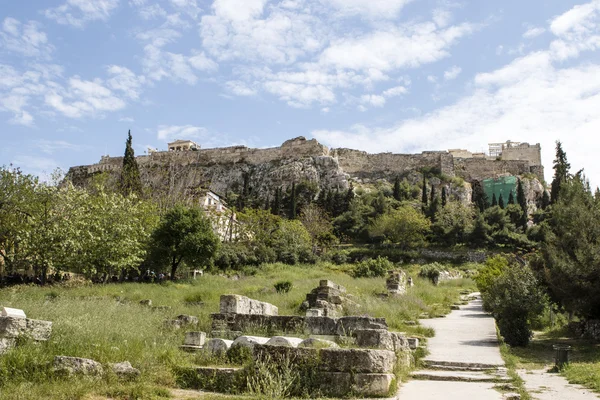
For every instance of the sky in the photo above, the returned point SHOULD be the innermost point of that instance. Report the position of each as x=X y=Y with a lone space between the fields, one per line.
x=400 y=76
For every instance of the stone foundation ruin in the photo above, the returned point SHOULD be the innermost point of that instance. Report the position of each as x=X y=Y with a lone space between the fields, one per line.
x=14 y=325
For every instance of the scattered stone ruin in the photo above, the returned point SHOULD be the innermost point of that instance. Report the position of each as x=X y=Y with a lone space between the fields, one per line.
x=328 y=299
x=397 y=282
x=366 y=370
x=15 y=325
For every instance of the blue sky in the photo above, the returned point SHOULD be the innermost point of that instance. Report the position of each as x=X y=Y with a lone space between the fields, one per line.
x=377 y=75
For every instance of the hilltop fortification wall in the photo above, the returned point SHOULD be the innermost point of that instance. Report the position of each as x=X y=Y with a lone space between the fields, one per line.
x=477 y=169
x=364 y=165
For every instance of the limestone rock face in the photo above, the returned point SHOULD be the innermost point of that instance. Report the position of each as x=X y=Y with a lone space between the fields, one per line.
x=77 y=366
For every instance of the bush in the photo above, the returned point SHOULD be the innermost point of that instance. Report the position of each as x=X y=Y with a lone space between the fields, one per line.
x=515 y=298
x=283 y=286
x=339 y=257
x=431 y=271
x=239 y=355
x=372 y=268
x=494 y=267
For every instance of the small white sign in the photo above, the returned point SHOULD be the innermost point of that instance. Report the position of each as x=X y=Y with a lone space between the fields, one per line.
x=12 y=312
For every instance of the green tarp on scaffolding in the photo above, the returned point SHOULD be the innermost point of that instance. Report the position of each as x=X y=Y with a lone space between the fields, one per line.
x=498 y=186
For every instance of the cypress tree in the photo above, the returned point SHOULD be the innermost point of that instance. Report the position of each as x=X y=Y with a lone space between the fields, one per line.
x=479 y=197
x=276 y=205
x=522 y=200
x=130 y=181
x=293 y=202
x=561 y=172
x=424 y=195
x=349 y=197
x=501 y=201
x=545 y=200
x=432 y=195
x=511 y=198
x=397 y=193
x=494 y=201
x=444 y=196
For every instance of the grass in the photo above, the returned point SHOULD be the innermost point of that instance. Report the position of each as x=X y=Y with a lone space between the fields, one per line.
x=584 y=366
x=106 y=323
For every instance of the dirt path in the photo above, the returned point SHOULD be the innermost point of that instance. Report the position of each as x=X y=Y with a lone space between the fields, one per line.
x=542 y=385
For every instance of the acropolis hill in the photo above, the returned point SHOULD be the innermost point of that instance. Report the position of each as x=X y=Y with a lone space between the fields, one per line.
x=185 y=167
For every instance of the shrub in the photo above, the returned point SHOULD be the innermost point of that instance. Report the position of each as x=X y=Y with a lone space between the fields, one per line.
x=431 y=271
x=239 y=355
x=515 y=298
x=372 y=268
x=339 y=257
x=494 y=267
x=283 y=286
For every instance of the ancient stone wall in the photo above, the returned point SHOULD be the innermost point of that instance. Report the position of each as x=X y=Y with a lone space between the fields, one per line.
x=364 y=165
x=523 y=152
x=478 y=169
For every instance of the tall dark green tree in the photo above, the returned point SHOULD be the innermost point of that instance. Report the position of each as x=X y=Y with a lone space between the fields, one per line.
x=276 y=204
x=397 y=192
x=494 y=200
x=511 y=198
x=130 y=182
x=349 y=197
x=545 y=200
x=501 y=201
x=444 y=196
x=424 y=198
x=479 y=196
x=522 y=200
x=561 y=172
x=293 y=202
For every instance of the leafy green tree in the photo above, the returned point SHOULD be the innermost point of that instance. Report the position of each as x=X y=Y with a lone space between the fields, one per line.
x=561 y=172
x=292 y=242
x=480 y=235
x=570 y=263
x=453 y=223
x=316 y=222
x=184 y=235
x=130 y=175
x=404 y=226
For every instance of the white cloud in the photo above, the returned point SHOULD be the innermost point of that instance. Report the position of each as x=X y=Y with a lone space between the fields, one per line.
x=534 y=32
x=25 y=39
x=373 y=100
x=395 y=91
x=152 y=12
x=41 y=167
x=235 y=10
x=126 y=119
x=452 y=73
x=535 y=98
x=190 y=7
x=79 y=12
x=240 y=88
x=125 y=81
x=441 y=17
x=51 y=146
x=169 y=133
x=378 y=9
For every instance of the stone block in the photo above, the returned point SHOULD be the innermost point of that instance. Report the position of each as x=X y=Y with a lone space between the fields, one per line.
x=124 y=370
x=7 y=344
x=314 y=312
x=413 y=342
x=330 y=284
x=12 y=312
x=217 y=347
x=280 y=354
x=315 y=343
x=38 y=330
x=346 y=326
x=373 y=385
x=77 y=366
x=284 y=341
x=336 y=384
x=12 y=327
x=320 y=325
x=375 y=339
x=194 y=339
x=231 y=335
x=249 y=341
x=186 y=320
x=358 y=360
x=236 y=304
